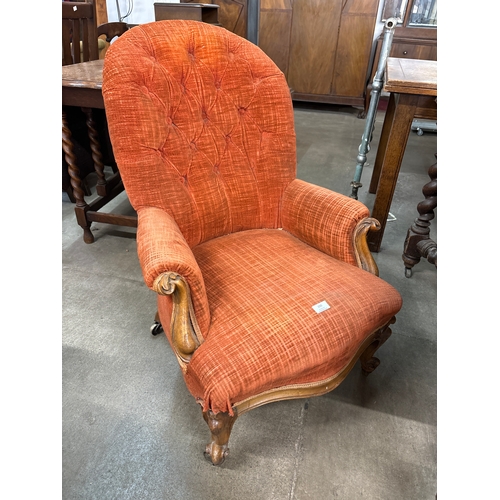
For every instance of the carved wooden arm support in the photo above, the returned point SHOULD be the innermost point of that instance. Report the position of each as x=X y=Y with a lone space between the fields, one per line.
x=185 y=334
x=331 y=222
x=362 y=253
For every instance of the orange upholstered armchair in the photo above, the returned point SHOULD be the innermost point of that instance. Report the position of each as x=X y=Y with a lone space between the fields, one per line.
x=266 y=288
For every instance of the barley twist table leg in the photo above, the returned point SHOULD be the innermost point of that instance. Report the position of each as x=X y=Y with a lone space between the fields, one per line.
x=81 y=206
x=418 y=242
x=96 y=152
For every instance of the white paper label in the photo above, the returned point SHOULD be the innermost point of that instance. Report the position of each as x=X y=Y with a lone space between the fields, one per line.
x=322 y=306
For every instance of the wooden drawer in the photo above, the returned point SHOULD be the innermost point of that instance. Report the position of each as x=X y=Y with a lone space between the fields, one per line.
x=413 y=51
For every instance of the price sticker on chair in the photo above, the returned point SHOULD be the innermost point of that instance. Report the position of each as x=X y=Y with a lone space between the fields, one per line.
x=321 y=306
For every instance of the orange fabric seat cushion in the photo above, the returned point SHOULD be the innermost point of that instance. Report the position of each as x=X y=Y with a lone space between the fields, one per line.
x=264 y=333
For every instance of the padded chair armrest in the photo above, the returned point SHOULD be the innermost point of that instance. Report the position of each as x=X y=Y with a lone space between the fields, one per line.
x=331 y=222
x=168 y=262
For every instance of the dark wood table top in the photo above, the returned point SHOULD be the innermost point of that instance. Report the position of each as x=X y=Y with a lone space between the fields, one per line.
x=82 y=84
x=86 y=75
x=411 y=76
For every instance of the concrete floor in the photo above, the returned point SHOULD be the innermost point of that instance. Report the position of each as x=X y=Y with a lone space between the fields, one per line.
x=130 y=429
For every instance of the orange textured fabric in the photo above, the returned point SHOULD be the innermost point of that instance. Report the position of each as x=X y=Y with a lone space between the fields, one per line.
x=264 y=332
x=322 y=218
x=208 y=116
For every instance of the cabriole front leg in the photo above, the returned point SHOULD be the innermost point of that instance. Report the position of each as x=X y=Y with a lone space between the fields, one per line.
x=220 y=425
x=368 y=361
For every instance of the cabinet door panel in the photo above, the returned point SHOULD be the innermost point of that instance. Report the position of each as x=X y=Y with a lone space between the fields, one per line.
x=353 y=55
x=275 y=29
x=313 y=43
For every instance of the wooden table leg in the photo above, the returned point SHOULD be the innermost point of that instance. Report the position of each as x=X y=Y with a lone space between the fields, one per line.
x=95 y=146
x=81 y=206
x=382 y=145
x=418 y=242
x=396 y=130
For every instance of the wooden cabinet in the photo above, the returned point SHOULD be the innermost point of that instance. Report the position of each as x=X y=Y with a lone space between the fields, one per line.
x=206 y=13
x=323 y=47
x=232 y=14
x=411 y=40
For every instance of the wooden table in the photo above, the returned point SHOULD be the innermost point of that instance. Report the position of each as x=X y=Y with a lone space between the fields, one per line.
x=412 y=84
x=82 y=87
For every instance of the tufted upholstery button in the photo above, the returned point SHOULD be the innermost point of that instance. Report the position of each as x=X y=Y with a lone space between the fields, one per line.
x=192 y=145
x=216 y=169
x=242 y=111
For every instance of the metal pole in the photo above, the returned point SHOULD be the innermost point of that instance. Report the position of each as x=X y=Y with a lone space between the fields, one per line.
x=377 y=86
x=253 y=14
x=118 y=10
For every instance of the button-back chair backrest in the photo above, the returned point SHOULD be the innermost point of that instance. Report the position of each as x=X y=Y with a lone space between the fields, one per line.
x=201 y=123
x=79 y=32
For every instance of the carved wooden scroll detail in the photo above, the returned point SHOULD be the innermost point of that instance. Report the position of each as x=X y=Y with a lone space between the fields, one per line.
x=363 y=255
x=185 y=333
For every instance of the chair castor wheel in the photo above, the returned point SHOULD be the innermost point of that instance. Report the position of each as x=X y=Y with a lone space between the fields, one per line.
x=156 y=328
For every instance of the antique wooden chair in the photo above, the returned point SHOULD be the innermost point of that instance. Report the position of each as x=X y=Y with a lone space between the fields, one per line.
x=79 y=32
x=266 y=288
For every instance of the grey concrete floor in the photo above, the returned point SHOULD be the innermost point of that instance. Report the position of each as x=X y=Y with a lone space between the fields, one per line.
x=130 y=429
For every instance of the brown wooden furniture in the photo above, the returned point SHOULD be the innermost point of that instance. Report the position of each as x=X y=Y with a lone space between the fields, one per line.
x=107 y=31
x=409 y=42
x=101 y=11
x=78 y=26
x=79 y=34
x=232 y=14
x=418 y=242
x=413 y=87
x=207 y=13
x=82 y=87
x=111 y=30
x=323 y=47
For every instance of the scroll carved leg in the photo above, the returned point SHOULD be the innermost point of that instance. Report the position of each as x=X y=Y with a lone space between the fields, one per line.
x=81 y=206
x=96 y=152
x=418 y=242
x=368 y=361
x=220 y=426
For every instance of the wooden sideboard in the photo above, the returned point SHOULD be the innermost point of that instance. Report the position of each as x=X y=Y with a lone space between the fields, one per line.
x=323 y=47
